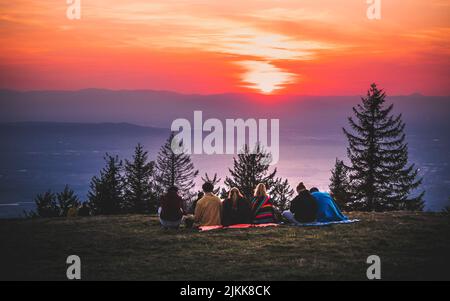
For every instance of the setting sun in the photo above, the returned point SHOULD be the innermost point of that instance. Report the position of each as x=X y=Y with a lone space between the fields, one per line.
x=264 y=77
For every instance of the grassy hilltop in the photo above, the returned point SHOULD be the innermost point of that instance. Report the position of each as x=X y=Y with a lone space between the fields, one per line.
x=412 y=246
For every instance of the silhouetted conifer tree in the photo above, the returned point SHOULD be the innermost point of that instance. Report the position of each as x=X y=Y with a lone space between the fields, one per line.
x=46 y=205
x=214 y=180
x=106 y=191
x=139 y=172
x=340 y=185
x=282 y=194
x=175 y=169
x=380 y=176
x=66 y=200
x=249 y=169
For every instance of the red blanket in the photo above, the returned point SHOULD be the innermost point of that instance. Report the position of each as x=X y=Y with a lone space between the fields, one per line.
x=238 y=226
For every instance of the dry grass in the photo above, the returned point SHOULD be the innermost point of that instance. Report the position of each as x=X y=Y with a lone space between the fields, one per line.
x=412 y=246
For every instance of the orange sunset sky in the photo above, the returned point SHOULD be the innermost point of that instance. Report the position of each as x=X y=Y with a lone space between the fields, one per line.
x=318 y=47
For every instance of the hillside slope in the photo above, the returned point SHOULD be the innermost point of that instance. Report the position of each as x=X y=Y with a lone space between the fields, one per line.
x=411 y=246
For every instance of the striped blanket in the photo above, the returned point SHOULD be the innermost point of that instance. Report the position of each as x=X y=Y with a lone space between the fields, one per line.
x=238 y=226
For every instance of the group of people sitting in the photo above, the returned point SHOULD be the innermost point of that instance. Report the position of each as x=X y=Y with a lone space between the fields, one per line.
x=307 y=207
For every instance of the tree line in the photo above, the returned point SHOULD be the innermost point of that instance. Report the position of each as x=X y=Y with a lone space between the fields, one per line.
x=378 y=176
x=136 y=185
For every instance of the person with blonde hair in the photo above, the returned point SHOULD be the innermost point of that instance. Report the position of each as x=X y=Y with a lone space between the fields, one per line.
x=235 y=209
x=262 y=207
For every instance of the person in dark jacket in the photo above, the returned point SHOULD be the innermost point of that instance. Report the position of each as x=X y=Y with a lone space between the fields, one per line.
x=84 y=210
x=172 y=209
x=303 y=207
x=236 y=209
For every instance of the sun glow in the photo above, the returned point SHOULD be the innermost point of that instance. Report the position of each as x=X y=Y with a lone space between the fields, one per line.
x=265 y=77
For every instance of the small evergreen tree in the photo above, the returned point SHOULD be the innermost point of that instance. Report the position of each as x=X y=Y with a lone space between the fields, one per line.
x=223 y=193
x=282 y=194
x=106 y=191
x=249 y=169
x=46 y=205
x=340 y=185
x=214 y=180
x=175 y=169
x=380 y=176
x=66 y=200
x=139 y=172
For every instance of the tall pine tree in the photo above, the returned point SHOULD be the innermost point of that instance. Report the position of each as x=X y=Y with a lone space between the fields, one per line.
x=175 y=169
x=139 y=195
x=340 y=185
x=380 y=176
x=106 y=191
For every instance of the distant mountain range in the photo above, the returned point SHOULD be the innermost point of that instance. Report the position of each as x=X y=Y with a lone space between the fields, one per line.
x=159 y=108
x=74 y=128
x=56 y=136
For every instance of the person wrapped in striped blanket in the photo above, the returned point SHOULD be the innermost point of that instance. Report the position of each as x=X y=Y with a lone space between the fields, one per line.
x=262 y=208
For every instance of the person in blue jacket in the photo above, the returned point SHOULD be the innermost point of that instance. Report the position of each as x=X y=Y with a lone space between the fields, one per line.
x=327 y=209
